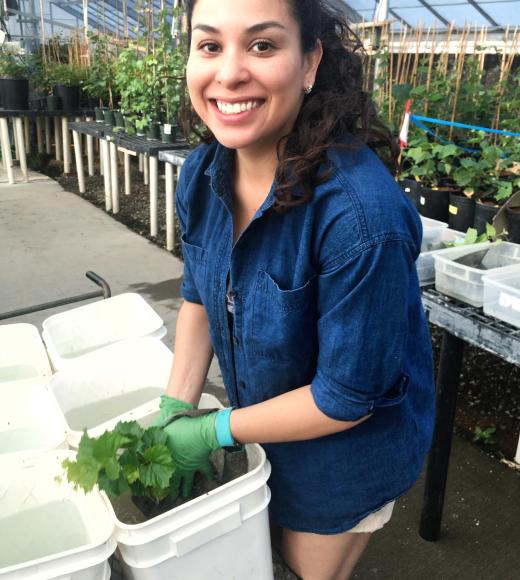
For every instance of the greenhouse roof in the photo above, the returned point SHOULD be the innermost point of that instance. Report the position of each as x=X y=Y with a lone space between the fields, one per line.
x=440 y=13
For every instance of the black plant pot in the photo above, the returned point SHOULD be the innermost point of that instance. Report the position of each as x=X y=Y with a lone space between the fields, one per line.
x=170 y=136
x=99 y=114
x=69 y=97
x=485 y=211
x=14 y=93
x=433 y=203
x=153 y=131
x=513 y=224
x=150 y=508
x=461 y=212
x=53 y=103
x=411 y=190
x=109 y=117
x=119 y=119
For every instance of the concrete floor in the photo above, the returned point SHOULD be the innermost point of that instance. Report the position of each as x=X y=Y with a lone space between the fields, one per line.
x=49 y=238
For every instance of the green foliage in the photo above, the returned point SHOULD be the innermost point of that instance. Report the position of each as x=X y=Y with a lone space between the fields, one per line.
x=127 y=459
x=99 y=81
x=66 y=74
x=472 y=237
x=484 y=435
x=12 y=65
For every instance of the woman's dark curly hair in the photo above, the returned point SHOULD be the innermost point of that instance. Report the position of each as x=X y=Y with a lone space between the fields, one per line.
x=336 y=108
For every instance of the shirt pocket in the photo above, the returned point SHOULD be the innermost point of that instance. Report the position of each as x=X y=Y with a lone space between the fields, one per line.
x=195 y=265
x=284 y=326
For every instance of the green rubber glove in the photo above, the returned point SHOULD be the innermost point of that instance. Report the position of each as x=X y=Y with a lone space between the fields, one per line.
x=190 y=441
x=170 y=406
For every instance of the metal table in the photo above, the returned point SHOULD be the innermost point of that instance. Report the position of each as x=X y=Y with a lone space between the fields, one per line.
x=461 y=323
x=20 y=119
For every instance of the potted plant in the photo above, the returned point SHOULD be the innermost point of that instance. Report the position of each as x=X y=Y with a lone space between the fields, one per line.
x=65 y=79
x=14 y=86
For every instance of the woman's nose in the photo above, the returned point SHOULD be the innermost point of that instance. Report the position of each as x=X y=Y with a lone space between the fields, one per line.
x=232 y=70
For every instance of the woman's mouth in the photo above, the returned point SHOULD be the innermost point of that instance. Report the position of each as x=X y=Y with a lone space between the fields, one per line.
x=236 y=108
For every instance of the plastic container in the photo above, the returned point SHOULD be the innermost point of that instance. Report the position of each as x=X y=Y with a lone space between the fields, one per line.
x=425 y=262
x=222 y=534
x=463 y=279
x=22 y=354
x=77 y=332
x=121 y=382
x=48 y=530
x=502 y=296
x=432 y=232
x=30 y=420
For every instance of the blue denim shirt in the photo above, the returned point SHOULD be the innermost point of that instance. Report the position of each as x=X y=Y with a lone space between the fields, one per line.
x=325 y=295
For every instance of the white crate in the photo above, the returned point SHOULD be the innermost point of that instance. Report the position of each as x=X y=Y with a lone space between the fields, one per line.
x=425 y=263
x=464 y=281
x=38 y=516
x=123 y=369
x=30 y=420
x=222 y=534
x=432 y=232
x=22 y=354
x=502 y=296
x=77 y=332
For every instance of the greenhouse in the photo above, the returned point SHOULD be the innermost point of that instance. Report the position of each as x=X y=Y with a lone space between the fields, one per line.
x=260 y=289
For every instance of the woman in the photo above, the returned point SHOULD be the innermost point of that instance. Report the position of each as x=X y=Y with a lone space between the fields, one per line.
x=299 y=274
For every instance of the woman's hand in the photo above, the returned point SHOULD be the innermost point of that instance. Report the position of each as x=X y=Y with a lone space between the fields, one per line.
x=170 y=406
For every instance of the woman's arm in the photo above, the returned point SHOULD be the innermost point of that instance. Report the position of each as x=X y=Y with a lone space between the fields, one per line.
x=293 y=416
x=193 y=352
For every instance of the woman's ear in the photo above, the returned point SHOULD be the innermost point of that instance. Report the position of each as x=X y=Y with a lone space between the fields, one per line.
x=312 y=62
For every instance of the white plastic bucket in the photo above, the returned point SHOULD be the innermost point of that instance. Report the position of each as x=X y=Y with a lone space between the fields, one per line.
x=121 y=382
x=48 y=530
x=77 y=332
x=22 y=354
x=222 y=534
x=30 y=420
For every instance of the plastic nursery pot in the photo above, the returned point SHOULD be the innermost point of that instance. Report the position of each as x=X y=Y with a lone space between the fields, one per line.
x=119 y=119
x=69 y=96
x=168 y=133
x=485 y=211
x=14 y=93
x=150 y=508
x=461 y=212
x=109 y=117
x=513 y=224
x=153 y=131
x=433 y=203
x=53 y=103
x=99 y=114
x=411 y=190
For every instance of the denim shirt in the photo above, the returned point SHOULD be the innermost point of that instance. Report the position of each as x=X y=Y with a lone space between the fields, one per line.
x=327 y=295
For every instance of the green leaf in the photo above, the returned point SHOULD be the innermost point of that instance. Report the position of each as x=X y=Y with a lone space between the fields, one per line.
x=159 y=467
x=471 y=236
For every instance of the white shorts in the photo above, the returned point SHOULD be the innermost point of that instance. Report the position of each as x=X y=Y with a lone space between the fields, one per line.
x=375 y=520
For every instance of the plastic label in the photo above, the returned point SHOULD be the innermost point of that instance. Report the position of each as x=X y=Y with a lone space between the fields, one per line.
x=167 y=129
x=407 y=189
x=453 y=209
x=507 y=301
x=422 y=200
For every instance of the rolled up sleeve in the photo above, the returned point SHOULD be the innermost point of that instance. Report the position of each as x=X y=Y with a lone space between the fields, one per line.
x=188 y=289
x=363 y=304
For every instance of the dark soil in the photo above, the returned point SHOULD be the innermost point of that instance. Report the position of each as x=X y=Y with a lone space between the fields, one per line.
x=489 y=393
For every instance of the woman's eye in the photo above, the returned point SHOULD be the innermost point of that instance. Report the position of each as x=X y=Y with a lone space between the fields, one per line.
x=208 y=47
x=262 y=46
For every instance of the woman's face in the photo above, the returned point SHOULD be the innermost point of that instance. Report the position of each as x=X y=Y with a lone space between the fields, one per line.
x=246 y=71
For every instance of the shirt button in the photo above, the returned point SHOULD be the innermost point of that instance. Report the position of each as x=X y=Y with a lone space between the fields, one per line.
x=236 y=341
x=242 y=385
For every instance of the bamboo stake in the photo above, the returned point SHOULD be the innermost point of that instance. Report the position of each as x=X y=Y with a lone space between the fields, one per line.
x=430 y=65
x=459 y=68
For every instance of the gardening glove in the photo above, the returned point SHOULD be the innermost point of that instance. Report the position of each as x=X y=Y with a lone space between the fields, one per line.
x=192 y=436
x=170 y=406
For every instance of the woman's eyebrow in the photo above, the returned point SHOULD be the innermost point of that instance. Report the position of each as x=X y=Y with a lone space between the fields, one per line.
x=261 y=26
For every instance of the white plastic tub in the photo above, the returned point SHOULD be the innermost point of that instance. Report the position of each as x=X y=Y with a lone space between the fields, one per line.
x=22 y=354
x=425 y=262
x=121 y=382
x=30 y=420
x=77 y=332
x=432 y=232
x=223 y=534
x=48 y=530
x=502 y=296
x=463 y=280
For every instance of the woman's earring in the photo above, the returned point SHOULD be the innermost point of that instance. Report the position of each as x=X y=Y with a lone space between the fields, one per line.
x=308 y=90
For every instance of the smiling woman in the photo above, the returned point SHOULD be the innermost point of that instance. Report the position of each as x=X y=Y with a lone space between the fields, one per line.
x=299 y=251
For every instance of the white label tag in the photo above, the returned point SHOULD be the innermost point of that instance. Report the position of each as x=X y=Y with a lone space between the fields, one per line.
x=422 y=200
x=507 y=301
x=167 y=129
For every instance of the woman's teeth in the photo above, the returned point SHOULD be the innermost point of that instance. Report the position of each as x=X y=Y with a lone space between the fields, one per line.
x=235 y=108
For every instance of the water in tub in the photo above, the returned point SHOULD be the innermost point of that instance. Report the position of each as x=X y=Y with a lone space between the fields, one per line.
x=17 y=372
x=20 y=439
x=41 y=531
x=98 y=412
